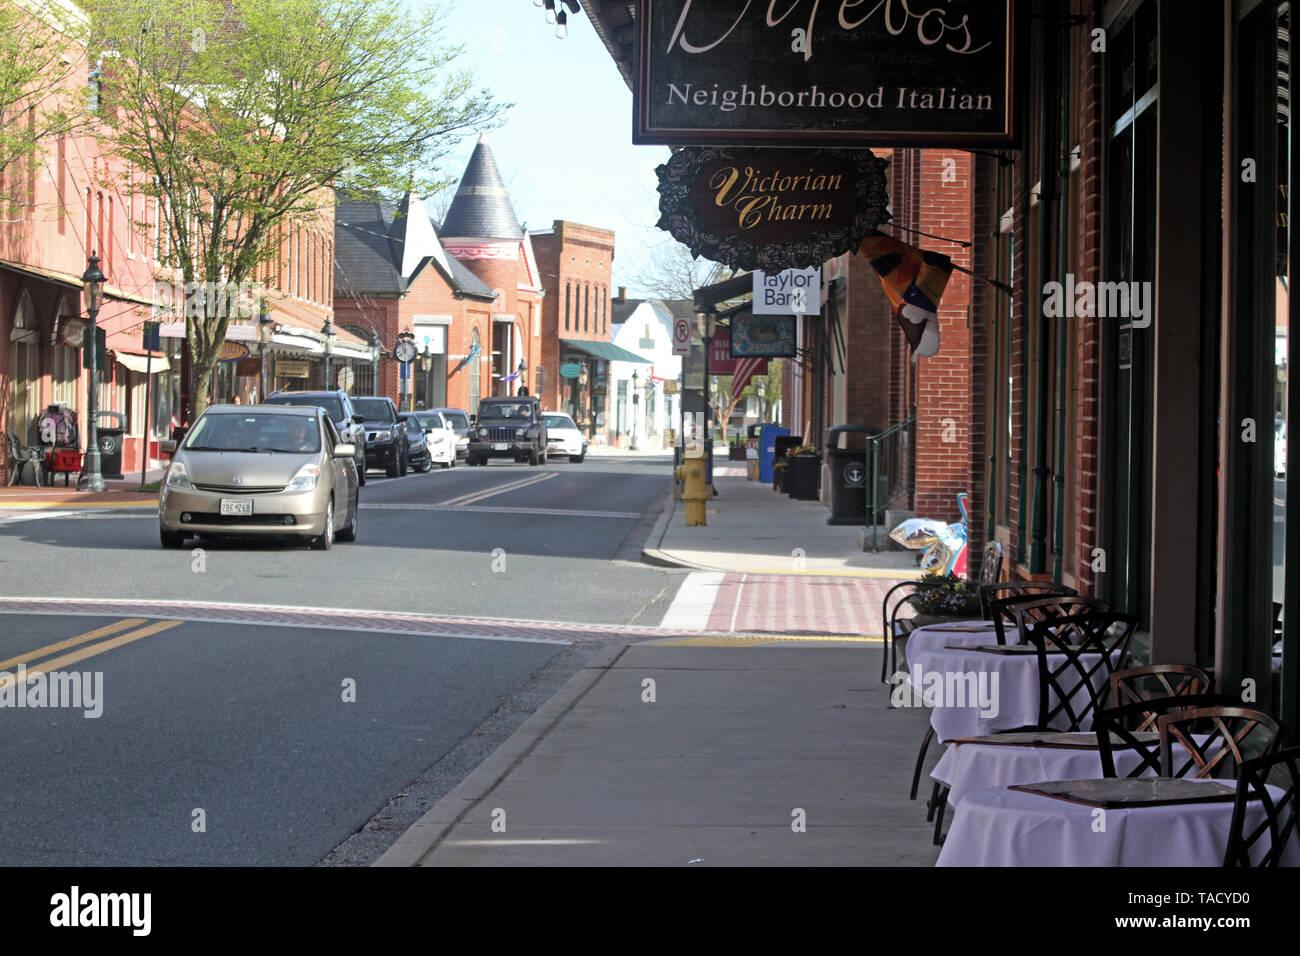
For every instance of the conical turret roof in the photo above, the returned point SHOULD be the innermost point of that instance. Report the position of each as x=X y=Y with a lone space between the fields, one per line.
x=481 y=209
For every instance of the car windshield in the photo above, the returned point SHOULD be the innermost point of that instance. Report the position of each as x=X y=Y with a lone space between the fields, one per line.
x=559 y=421
x=428 y=421
x=255 y=432
x=333 y=407
x=457 y=419
x=376 y=411
x=505 y=410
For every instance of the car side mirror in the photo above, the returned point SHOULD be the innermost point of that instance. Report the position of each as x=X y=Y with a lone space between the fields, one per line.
x=345 y=450
x=167 y=446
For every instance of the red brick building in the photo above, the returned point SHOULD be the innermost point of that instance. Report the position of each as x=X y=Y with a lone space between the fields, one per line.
x=576 y=264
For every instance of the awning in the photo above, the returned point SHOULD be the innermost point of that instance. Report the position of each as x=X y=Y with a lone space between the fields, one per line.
x=604 y=350
x=139 y=363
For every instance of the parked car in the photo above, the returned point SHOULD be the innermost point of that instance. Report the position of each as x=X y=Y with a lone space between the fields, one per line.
x=438 y=435
x=386 y=445
x=563 y=437
x=338 y=405
x=417 y=447
x=457 y=419
x=508 y=428
x=260 y=470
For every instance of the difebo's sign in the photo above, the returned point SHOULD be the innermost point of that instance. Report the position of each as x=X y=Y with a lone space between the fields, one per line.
x=834 y=72
x=772 y=209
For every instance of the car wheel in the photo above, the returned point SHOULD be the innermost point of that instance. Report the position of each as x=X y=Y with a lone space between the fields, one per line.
x=533 y=457
x=395 y=469
x=427 y=466
x=361 y=473
x=325 y=540
x=448 y=464
x=406 y=463
x=350 y=532
x=577 y=459
x=171 y=539
x=545 y=455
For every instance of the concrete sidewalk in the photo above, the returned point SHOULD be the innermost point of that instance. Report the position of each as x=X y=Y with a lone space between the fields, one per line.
x=753 y=529
x=121 y=493
x=784 y=754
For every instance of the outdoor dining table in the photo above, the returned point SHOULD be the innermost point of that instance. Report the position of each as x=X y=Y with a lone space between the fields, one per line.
x=1025 y=757
x=1001 y=826
x=1011 y=687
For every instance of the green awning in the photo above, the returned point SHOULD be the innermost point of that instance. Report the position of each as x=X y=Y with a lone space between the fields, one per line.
x=605 y=350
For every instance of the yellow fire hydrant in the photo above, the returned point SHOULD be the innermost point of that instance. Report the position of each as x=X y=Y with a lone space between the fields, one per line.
x=691 y=471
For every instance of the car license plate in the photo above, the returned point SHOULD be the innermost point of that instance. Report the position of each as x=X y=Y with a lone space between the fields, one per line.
x=236 y=506
x=501 y=446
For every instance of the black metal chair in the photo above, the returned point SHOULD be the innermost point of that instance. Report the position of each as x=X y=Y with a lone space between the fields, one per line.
x=1132 y=726
x=897 y=608
x=1005 y=589
x=20 y=455
x=1214 y=742
x=1281 y=769
x=1022 y=610
x=1072 y=679
x=1154 y=681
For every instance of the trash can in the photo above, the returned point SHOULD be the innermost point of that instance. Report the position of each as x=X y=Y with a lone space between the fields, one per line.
x=850 y=475
x=767 y=437
x=110 y=445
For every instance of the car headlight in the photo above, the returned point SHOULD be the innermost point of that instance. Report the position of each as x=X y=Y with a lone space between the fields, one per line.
x=519 y=432
x=384 y=434
x=437 y=439
x=305 y=480
x=178 y=478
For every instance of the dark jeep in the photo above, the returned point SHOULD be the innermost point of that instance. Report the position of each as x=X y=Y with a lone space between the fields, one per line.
x=508 y=428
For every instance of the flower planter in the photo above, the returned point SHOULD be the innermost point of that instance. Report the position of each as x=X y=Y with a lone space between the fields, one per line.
x=803 y=477
x=778 y=480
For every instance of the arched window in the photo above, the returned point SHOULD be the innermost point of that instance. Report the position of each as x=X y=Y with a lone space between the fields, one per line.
x=474 y=364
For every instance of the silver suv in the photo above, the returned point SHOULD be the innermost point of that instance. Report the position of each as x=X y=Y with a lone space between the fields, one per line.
x=338 y=406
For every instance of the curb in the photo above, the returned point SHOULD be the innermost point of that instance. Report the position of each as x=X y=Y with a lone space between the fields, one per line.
x=420 y=840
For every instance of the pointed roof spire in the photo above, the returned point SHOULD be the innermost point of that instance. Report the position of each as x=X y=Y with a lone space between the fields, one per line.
x=481 y=209
x=413 y=236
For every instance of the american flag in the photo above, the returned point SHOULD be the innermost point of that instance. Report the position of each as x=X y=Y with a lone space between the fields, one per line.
x=747 y=368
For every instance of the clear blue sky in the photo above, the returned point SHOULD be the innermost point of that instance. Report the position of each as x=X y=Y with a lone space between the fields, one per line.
x=565 y=149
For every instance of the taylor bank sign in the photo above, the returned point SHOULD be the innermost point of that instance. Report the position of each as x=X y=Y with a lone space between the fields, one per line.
x=826 y=72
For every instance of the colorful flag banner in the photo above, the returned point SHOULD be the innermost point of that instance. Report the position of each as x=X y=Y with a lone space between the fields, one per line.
x=914 y=281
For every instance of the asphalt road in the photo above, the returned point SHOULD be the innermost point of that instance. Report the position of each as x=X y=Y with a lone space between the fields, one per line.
x=234 y=741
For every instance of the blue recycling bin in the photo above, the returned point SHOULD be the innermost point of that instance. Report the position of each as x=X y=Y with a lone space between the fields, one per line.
x=767 y=450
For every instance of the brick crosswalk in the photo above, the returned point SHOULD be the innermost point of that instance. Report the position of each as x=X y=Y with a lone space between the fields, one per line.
x=798 y=604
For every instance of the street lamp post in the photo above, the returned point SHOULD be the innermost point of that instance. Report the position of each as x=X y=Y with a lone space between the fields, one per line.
x=708 y=324
x=265 y=328
x=91 y=478
x=376 y=349
x=636 y=395
x=327 y=330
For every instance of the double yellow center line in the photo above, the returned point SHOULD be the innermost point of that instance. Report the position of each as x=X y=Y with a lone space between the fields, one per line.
x=476 y=496
x=63 y=660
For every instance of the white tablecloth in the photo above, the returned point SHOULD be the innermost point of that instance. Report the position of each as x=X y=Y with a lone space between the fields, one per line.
x=965 y=768
x=1000 y=827
x=934 y=637
x=1005 y=698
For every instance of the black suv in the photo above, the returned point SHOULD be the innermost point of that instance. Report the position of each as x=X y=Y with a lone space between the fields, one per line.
x=338 y=406
x=386 y=445
x=508 y=428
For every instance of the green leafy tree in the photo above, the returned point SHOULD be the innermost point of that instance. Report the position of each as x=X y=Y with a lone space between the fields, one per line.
x=243 y=115
x=42 y=83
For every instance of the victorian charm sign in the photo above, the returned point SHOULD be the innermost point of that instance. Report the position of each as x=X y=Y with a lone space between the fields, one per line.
x=772 y=209
x=826 y=72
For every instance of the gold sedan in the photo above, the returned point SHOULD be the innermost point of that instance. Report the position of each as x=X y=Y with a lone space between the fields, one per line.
x=260 y=470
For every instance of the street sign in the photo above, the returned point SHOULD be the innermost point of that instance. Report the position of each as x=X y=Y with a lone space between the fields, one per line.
x=150 y=342
x=789 y=292
x=681 y=336
x=670 y=386
x=570 y=370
